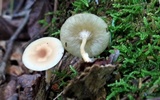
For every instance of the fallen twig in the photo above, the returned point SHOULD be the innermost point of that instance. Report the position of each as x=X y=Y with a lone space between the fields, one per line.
x=58 y=95
x=9 y=48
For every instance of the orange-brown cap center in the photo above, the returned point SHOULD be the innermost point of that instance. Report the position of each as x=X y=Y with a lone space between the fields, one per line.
x=43 y=52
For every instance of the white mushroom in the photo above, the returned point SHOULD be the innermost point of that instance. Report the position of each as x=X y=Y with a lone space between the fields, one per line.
x=84 y=35
x=43 y=54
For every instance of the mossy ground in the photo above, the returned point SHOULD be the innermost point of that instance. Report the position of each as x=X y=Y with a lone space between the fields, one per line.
x=135 y=29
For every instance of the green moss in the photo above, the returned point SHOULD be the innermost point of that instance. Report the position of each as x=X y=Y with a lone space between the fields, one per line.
x=136 y=35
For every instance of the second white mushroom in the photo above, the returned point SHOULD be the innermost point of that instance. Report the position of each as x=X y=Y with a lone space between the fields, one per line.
x=84 y=35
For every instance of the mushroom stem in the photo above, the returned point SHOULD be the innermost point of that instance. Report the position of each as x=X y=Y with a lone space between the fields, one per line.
x=48 y=74
x=84 y=54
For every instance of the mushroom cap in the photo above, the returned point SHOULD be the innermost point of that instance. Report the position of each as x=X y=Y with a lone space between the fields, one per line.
x=98 y=39
x=43 y=54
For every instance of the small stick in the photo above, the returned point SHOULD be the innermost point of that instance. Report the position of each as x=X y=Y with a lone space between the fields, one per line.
x=55 y=5
x=9 y=48
x=1 y=1
x=140 y=83
x=58 y=95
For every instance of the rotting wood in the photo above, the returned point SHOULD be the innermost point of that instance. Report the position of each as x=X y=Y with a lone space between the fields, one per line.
x=90 y=83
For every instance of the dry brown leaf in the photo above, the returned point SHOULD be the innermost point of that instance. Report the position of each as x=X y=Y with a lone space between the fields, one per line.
x=3 y=44
x=39 y=9
x=14 y=70
x=6 y=29
x=29 y=86
x=28 y=80
x=17 y=51
x=10 y=89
